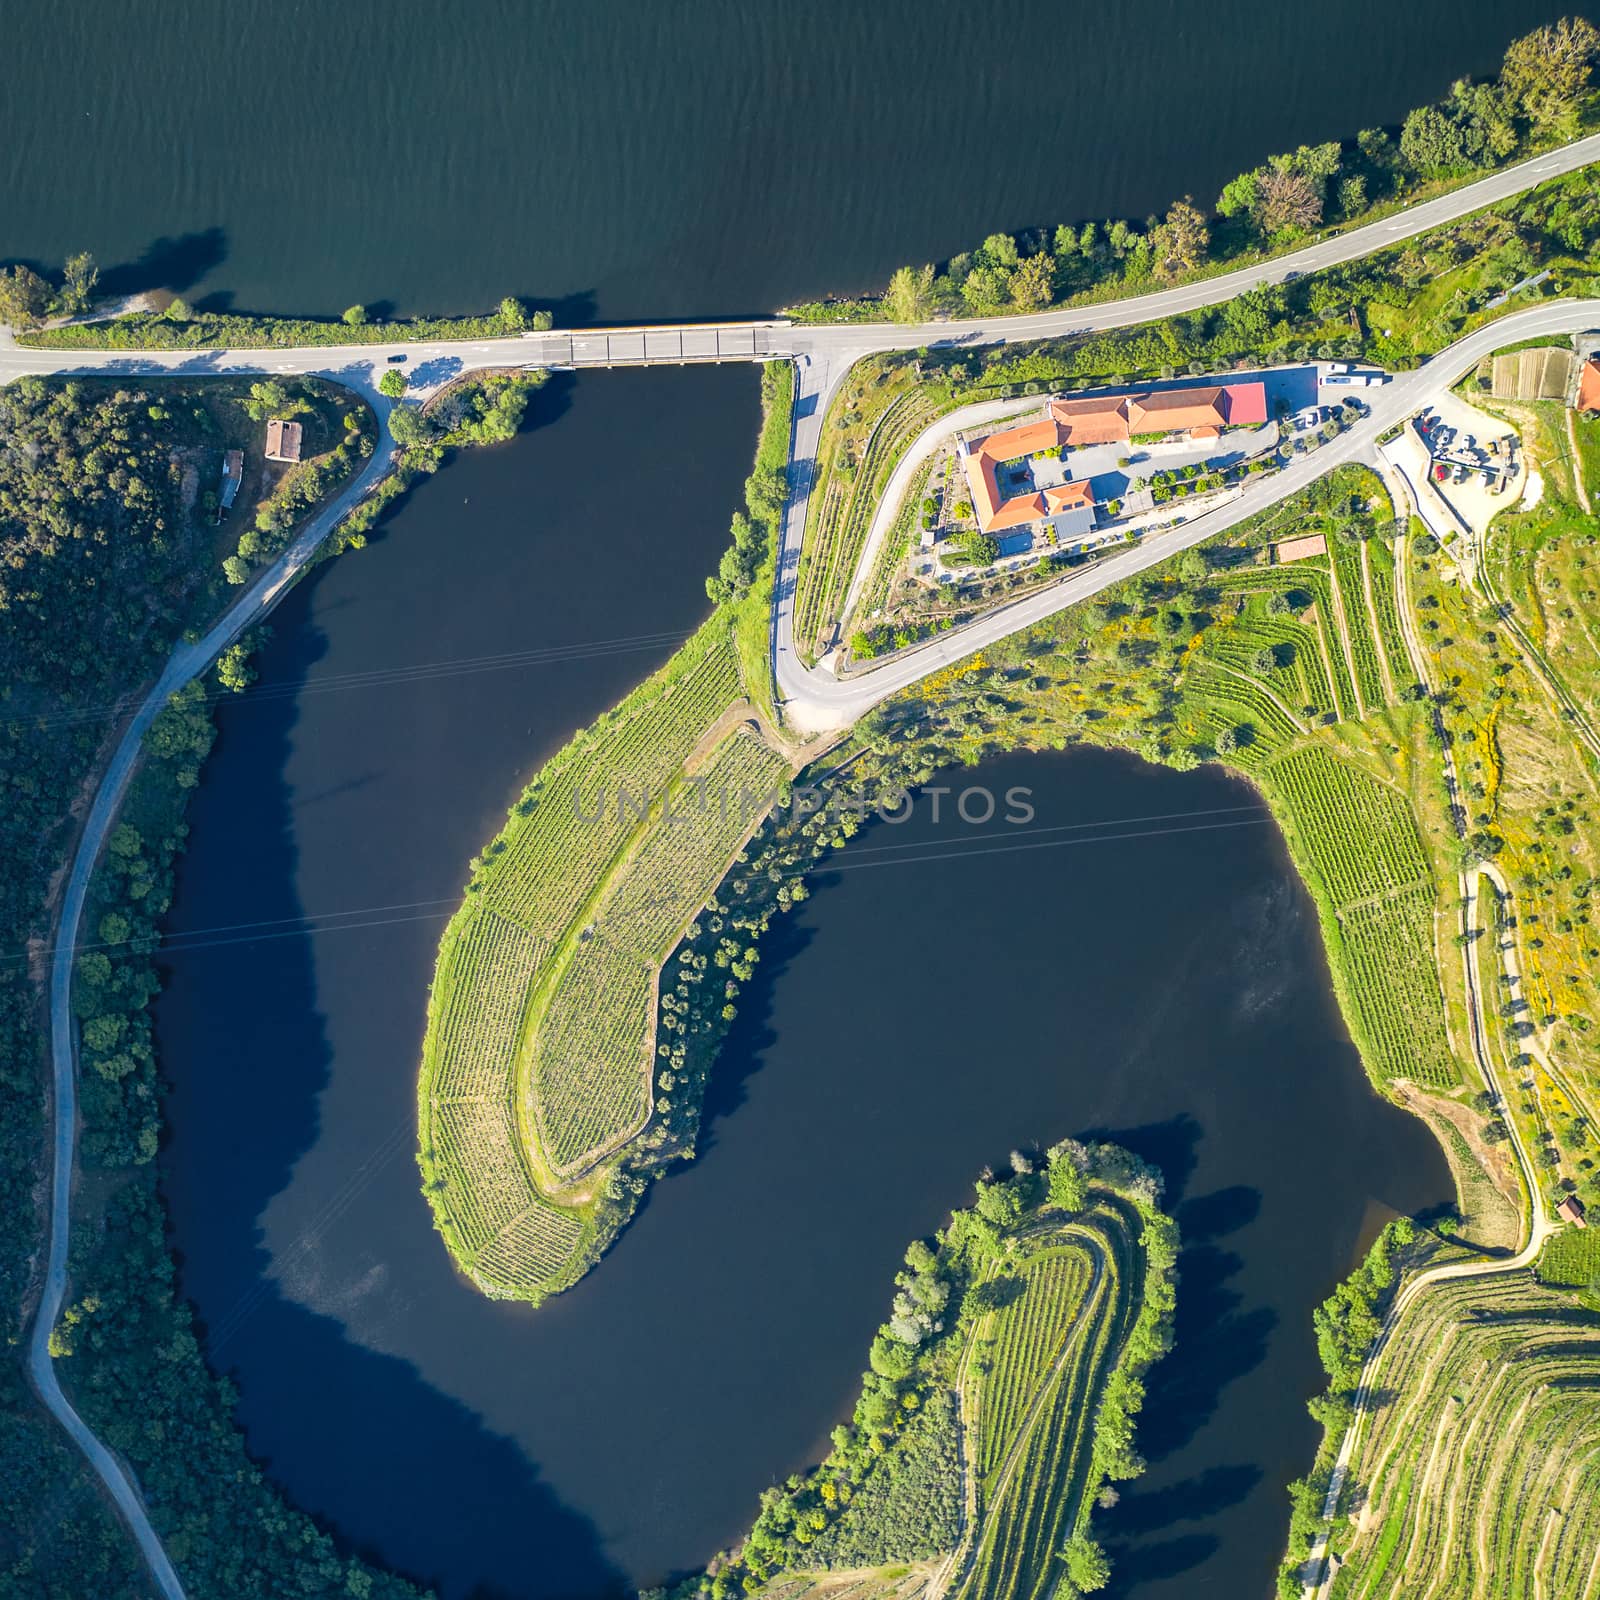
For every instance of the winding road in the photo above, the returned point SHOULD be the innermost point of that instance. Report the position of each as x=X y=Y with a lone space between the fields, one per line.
x=187 y=661
x=1319 y=1571
x=813 y=700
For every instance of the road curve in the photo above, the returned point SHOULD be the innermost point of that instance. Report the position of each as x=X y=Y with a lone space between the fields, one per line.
x=1319 y=1577
x=823 y=355
x=187 y=661
x=814 y=699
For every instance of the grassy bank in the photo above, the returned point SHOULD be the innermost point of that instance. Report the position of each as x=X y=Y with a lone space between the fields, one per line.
x=178 y=328
x=1000 y=1401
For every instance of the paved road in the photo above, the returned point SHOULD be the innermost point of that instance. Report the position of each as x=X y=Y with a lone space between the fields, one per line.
x=188 y=661
x=1541 y=1225
x=814 y=700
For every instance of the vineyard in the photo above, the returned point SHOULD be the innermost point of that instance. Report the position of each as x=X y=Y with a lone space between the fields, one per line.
x=582 y=809
x=1571 y=1259
x=1380 y=558
x=1299 y=678
x=593 y=1047
x=1054 y=1346
x=1358 y=621
x=1479 y=1473
x=543 y=997
x=1226 y=700
x=833 y=547
x=1358 y=843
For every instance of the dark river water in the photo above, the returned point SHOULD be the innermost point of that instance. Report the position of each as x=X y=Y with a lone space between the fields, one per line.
x=929 y=1008
x=948 y=994
x=637 y=158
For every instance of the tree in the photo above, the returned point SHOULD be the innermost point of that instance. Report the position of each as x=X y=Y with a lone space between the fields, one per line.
x=77 y=291
x=986 y=290
x=355 y=316
x=24 y=295
x=1239 y=195
x=392 y=383
x=1033 y=284
x=1181 y=240
x=513 y=315
x=1087 y=1565
x=409 y=427
x=1000 y=250
x=268 y=398
x=979 y=547
x=178 y=310
x=1287 y=202
x=910 y=295
x=1067 y=1186
x=1432 y=142
x=1546 y=73
x=1353 y=195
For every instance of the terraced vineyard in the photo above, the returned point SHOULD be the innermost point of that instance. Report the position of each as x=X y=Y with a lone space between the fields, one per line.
x=1028 y=1335
x=1055 y=1345
x=585 y=805
x=1301 y=683
x=832 y=549
x=541 y=1016
x=1481 y=1468
x=1227 y=700
x=593 y=1050
x=1358 y=842
x=1380 y=558
x=1358 y=620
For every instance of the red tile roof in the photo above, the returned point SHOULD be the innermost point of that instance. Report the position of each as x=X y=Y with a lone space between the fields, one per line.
x=1589 y=386
x=1075 y=496
x=1203 y=412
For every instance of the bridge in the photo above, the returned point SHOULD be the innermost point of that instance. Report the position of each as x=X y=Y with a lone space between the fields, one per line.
x=657 y=346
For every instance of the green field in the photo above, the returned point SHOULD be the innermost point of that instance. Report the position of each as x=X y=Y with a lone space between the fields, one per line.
x=992 y=1419
x=538 y=1058
x=1358 y=844
x=1478 y=1477
x=1570 y=1259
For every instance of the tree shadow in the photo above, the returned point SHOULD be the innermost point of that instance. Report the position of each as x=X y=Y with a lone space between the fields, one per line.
x=175 y=263
x=1141 y=1512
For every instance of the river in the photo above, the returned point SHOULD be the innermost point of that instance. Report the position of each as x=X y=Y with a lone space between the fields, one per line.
x=633 y=159
x=912 y=1022
x=924 y=1014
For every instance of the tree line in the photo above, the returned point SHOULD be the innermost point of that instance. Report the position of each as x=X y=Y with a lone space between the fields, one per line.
x=1540 y=96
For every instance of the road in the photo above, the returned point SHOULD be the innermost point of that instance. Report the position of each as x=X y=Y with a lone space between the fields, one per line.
x=814 y=701
x=188 y=661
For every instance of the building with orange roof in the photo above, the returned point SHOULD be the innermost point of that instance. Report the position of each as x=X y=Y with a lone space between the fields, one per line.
x=1589 y=385
x=1005 y=483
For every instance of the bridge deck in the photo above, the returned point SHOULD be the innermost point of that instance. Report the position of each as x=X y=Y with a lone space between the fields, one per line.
x=638 y=347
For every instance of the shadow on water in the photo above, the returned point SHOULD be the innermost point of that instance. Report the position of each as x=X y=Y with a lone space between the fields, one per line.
x=903 y=1028
x=410 y=1444
x=175 y=263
